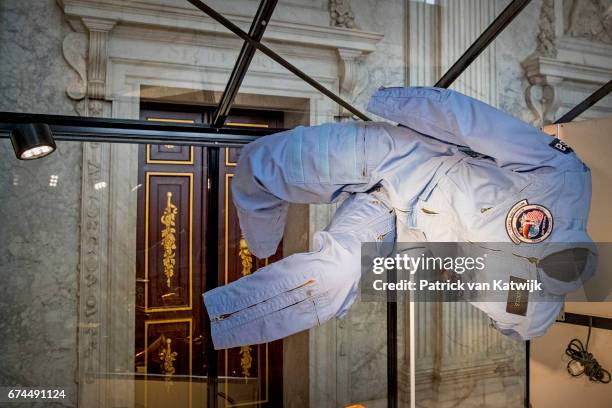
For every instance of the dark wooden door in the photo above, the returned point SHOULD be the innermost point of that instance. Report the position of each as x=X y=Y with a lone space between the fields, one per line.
x=170 y=271
x=248 y=373
x=171 y=337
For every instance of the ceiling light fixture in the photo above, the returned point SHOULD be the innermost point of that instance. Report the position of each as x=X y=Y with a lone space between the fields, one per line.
x=32 y=141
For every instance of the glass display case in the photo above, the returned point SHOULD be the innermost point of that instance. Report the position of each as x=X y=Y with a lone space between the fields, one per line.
x=108 y=242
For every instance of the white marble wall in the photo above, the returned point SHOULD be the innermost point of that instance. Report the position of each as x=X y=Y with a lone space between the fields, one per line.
x=39 y=231
x=513 y=46
x=39 y=242
x=34 y=75
x=385 y=66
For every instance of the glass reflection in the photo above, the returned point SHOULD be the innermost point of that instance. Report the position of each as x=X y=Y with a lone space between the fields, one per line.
x=73 y=270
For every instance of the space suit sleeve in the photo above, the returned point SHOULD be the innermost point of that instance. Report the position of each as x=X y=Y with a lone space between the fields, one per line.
x=303 y=165
x=461 y=120
x=305 y=289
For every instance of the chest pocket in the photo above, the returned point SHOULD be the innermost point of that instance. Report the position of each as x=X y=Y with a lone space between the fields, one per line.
x=435 y=217
x=478 y=189
x=478 y=195
x=478 y=186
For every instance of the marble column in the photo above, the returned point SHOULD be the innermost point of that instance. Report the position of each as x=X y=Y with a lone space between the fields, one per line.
x=462 y=21
x=423 y=57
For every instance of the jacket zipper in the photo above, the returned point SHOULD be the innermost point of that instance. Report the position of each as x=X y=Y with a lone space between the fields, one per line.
x=365 y=160
x=229 y=315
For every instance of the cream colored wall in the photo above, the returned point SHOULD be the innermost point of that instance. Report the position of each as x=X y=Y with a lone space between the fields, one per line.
x=592 y=142
x=551 y=385
x=296 y=381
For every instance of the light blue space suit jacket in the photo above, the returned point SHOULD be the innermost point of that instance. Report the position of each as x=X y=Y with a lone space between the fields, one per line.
x=523 y=187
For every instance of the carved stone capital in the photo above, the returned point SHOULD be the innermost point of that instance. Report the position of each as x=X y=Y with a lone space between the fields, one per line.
x=541 y=97
x=98 y=24
x=349 y=65
x=86 y=51
x=97 y=55
x=74 y=50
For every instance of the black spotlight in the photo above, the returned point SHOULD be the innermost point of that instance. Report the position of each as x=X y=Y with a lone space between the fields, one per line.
x=32 y=141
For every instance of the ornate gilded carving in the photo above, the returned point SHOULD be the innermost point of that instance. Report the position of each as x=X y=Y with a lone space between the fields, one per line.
x=168 y=237
x=341 y=14
x=246 y=360
x=245 y=258
x=167 y=357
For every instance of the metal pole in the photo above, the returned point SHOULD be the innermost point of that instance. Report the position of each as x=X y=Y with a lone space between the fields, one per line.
x=212 y=271
x=586 y=104
x=527 y=374
x=277 y=58
x=392 y=357
x=258 y=27
x=478 y=46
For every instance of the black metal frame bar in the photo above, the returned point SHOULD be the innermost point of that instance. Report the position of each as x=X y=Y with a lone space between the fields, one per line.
x=212 y=270
x=586 y=104
x=392 y=357
x=277 y=58
x=598 y=322
x=527 y=401
x=86 y=129
x=256 y=32
x=482 y=42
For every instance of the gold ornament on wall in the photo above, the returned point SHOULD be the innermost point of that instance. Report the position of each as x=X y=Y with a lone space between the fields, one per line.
x=167 y=357
x=168 y=236
x=246 y=360
x=245 y=257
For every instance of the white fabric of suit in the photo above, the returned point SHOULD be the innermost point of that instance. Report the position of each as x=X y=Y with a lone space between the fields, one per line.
x=385 y=175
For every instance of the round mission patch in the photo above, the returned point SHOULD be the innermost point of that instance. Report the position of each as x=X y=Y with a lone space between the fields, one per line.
x=529 y=223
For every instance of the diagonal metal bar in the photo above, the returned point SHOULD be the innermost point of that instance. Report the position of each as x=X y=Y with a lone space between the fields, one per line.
x=277 y=58
x=256 y=32
x=586 y=104
x=478 y=46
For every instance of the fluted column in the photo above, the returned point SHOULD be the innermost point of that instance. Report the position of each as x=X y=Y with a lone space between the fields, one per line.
x=462 y=21
x=423 y=54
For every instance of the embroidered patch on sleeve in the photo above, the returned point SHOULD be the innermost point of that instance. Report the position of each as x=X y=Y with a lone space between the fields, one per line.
x=529 y=223
x=559 y=145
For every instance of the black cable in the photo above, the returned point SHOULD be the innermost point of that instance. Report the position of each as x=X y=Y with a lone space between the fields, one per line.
x=583 y=362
